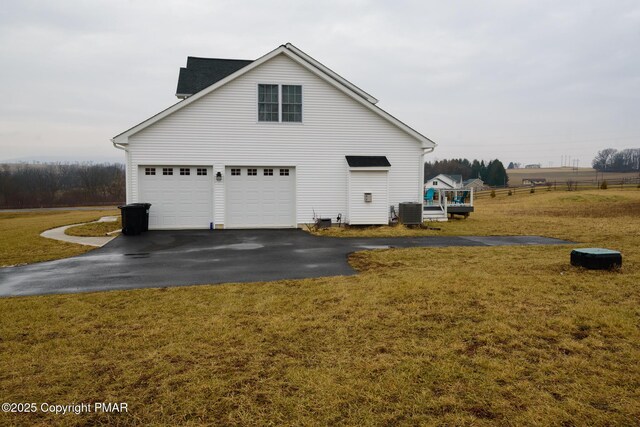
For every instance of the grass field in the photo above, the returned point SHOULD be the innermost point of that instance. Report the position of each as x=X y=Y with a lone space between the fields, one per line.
x=21 y=242
x=425 y=336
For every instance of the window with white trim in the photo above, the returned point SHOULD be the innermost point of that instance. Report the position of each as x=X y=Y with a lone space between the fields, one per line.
x=149 y=171
x=185 y=171
x=268 y=104
x=235 y=172
x=252 y=172
x=268 y=172
x=284 y=172
x=279 y=103
x=167 y=171
x=201 y=171
x=291 y=103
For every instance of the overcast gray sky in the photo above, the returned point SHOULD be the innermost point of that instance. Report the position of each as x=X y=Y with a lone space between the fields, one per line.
x=525 y=81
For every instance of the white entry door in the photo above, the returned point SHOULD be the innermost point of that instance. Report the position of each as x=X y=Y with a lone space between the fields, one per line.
x=180 y=196
x=258 y=196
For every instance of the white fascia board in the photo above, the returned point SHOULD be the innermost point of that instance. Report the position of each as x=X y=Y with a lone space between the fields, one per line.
x=426 y=142
x=183 y=103
x=331 y=73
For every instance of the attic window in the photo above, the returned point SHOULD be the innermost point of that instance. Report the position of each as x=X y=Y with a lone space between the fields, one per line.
x=279 y=103
x=435 y=182
x=291 y=103
x=268 y=103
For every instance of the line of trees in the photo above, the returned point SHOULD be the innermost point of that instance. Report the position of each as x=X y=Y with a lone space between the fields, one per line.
x=612 y=160
x=492 y=173
x=49 y=185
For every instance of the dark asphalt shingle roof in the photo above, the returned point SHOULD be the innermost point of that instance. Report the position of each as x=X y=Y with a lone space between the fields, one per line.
x=201 y=73
x=367 y=161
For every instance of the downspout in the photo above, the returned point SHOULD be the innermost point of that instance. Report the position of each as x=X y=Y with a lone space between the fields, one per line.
x=126 y=168
x=425 y=151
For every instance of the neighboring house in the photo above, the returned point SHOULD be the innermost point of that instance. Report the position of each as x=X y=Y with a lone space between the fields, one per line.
x=533 y=166
x=271 y=143
x=444 y=182
x=534 y=181
x=476 y=183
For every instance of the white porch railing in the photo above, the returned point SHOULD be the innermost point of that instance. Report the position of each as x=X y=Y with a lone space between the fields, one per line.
x=458 y=197
x=439 y=203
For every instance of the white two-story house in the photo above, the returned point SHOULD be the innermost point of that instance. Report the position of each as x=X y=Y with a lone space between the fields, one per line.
x=271 y=143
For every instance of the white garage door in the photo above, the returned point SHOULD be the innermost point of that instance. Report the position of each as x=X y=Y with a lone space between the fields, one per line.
x=181 y=196
x=260 y=197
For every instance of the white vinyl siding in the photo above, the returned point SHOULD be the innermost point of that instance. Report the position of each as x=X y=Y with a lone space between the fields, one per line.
x=375 y=184
x=221 y=129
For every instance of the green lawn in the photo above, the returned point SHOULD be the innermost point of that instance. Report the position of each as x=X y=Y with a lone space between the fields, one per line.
x=425 y=336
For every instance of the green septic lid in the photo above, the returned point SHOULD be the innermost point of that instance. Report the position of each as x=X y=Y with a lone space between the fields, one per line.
x=596 y=251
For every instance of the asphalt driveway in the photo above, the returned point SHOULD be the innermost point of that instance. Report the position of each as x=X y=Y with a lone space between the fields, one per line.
x=179 y=258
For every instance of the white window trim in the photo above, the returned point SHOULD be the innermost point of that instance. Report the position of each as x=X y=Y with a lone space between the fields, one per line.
x=279 y=103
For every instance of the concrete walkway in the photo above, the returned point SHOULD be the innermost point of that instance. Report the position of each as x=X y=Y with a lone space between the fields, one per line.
x=59 y=234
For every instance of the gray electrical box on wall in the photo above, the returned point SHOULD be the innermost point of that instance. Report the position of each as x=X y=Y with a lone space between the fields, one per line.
x=368 y=198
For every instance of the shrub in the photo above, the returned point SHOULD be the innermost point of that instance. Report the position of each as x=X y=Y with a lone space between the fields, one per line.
x=533 y=190
x=604 y=185
x=493 y=194
x=509 y=193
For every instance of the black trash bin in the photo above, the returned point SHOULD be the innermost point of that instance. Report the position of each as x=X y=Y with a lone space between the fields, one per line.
x=133 y=218
x=145 y=222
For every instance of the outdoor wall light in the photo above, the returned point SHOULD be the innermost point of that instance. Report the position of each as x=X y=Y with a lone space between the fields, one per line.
x=218 y=176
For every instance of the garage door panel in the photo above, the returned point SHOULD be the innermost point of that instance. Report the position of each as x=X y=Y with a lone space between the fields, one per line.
x=178 y=201
x=260 y=200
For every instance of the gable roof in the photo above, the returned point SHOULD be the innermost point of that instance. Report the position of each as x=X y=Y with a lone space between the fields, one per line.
x=367 y=161
x=305 y=61
x=451 y=181
x=201 y=73
x=454 y=178
x=472 y=180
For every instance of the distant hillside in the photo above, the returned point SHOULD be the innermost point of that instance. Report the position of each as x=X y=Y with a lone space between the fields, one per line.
x=563 y=174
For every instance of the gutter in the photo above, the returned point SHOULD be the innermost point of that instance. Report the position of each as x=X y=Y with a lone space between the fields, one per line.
x=118 y=146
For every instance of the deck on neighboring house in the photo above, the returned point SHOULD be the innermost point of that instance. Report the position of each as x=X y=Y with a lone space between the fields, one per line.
x=447 y=203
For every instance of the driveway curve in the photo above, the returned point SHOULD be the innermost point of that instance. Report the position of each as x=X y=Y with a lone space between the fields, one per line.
x=181 y=258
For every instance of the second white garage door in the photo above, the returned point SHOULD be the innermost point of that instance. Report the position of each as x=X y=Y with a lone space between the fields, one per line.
x=260 y=197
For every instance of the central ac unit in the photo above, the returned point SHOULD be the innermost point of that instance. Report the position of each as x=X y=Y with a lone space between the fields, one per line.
x=410 y=213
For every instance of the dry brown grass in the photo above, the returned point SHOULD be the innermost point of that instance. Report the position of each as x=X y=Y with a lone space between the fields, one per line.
x=561 y=175
x=21 y=242
x=424 y=336
x=94 y=229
